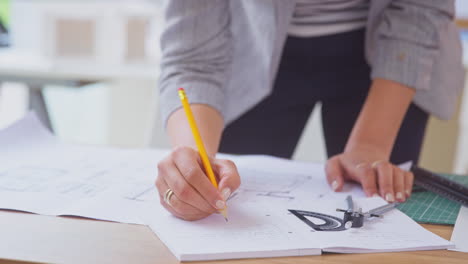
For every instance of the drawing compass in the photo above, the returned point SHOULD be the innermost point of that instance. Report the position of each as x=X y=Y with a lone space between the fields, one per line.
x=355 y=218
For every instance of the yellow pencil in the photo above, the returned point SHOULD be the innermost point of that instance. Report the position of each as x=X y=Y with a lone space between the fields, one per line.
x=199 y=142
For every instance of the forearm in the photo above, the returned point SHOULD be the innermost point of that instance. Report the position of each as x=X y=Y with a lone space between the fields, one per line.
x=209 y=122
x=381 y=116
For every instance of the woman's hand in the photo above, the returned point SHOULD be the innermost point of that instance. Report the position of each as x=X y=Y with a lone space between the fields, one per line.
x=371 y=169
x=366 y=155
x=194 y=196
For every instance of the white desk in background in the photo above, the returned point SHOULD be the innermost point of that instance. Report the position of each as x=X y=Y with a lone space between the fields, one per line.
x=37 y=71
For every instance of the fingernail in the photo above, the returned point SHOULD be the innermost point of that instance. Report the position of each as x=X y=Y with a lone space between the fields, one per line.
x=400 y=196
x=334 y=185
x=408 y=192
x=226 y=192
x=375 y=195
x=220 y=205
x=389 y=197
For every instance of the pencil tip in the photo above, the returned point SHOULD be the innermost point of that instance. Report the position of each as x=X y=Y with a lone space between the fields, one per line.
x=224 y=213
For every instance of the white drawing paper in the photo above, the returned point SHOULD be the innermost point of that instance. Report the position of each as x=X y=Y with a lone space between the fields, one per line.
x=40 y=174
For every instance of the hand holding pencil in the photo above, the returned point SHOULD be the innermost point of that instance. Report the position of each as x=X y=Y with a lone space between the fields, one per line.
x=191 y=185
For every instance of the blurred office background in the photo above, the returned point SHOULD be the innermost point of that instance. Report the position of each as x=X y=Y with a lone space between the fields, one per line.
x=92 y=67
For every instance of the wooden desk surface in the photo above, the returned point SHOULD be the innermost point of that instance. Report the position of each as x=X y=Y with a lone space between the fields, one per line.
x=35 y=238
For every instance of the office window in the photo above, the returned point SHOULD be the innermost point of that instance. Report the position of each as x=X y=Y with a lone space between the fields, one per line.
x=75 y=38
x=137 y=29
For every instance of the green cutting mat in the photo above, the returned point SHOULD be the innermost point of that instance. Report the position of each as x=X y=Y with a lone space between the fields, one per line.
x=428 y=207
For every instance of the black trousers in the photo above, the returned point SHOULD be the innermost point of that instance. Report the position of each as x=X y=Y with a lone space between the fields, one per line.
x=328 y=69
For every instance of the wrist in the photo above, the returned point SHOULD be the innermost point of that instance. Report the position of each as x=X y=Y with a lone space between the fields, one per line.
x=210 y=125
x=371 y=149
x=381 y=116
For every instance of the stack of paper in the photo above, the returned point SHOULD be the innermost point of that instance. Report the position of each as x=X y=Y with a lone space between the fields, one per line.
x=460 y=231
x=42 y=175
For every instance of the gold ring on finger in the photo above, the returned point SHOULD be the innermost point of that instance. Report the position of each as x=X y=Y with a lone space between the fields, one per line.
x=376 y=163
x=360 y=165
x=167 y=196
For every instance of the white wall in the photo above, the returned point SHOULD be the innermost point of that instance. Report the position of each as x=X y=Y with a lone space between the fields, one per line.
x=312 y=145
x=13 y=103
x=461 y=157
x=461 y=8
x=80 y=114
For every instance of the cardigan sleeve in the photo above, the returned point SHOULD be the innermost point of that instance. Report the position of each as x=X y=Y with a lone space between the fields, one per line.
x=408 y=40
x=196 y=53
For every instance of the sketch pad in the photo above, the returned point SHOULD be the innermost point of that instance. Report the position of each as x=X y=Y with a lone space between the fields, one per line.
x=267 y=229
x=260 y=224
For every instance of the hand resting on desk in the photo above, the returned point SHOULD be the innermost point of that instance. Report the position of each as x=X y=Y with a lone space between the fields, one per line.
x=377 y=176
